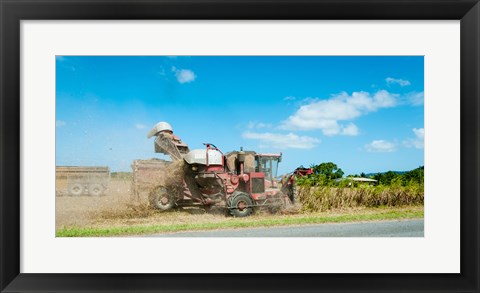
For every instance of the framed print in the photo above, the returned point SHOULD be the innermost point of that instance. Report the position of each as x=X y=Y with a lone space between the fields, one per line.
x=373 y=86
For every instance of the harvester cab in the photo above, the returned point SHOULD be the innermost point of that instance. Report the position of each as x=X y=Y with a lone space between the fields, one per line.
x=268 y=164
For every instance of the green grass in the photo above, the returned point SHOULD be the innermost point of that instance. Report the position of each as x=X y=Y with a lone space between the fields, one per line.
x=250 y=222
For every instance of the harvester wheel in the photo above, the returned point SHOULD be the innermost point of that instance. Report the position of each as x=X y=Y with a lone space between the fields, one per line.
x=240 y=205
x=292 y=194
x=75 y=189
x=162 y=199
x=95 y=189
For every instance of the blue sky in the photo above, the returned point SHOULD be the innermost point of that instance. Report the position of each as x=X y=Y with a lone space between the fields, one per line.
x=365 y=114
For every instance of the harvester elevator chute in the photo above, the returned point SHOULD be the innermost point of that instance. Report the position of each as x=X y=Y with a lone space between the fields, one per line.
x=167 y=143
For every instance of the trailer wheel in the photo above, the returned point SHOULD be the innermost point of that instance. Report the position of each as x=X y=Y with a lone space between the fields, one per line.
x=75 y=189
x=162 y=199
x=240 y=205
x=95 y=189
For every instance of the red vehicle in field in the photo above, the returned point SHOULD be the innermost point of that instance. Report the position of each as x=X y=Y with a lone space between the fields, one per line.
x=240 y=180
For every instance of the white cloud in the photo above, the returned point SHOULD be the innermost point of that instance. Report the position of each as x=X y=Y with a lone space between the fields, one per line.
x=419 y=140
x=325 y=114
x=400 y=82
x=414 y=98
x=258 y=125
x=289 y=98
x=351 y=129
x=283 y=141
x=140 y=126
x=380 y=146
x=184 y=75
x=60 y=123
x=419 y=132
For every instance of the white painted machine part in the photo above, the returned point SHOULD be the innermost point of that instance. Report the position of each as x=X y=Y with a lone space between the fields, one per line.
x=160 y=126
x=200 y=157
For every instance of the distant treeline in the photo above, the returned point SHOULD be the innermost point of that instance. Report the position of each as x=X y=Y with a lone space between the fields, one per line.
x=406 y=178
x=121 y=175
x=329 y=174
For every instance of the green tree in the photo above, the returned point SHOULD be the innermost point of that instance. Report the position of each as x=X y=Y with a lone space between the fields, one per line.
x=415 y=175
x=329 y=170
x=386 y=178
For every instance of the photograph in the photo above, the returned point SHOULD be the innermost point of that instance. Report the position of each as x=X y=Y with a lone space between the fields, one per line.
x=294 y=146
x=239 y=146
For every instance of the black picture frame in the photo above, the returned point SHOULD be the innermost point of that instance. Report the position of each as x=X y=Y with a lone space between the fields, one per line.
x=12 y=12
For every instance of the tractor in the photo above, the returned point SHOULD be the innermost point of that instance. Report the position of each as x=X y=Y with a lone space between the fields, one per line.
x=240 y=181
